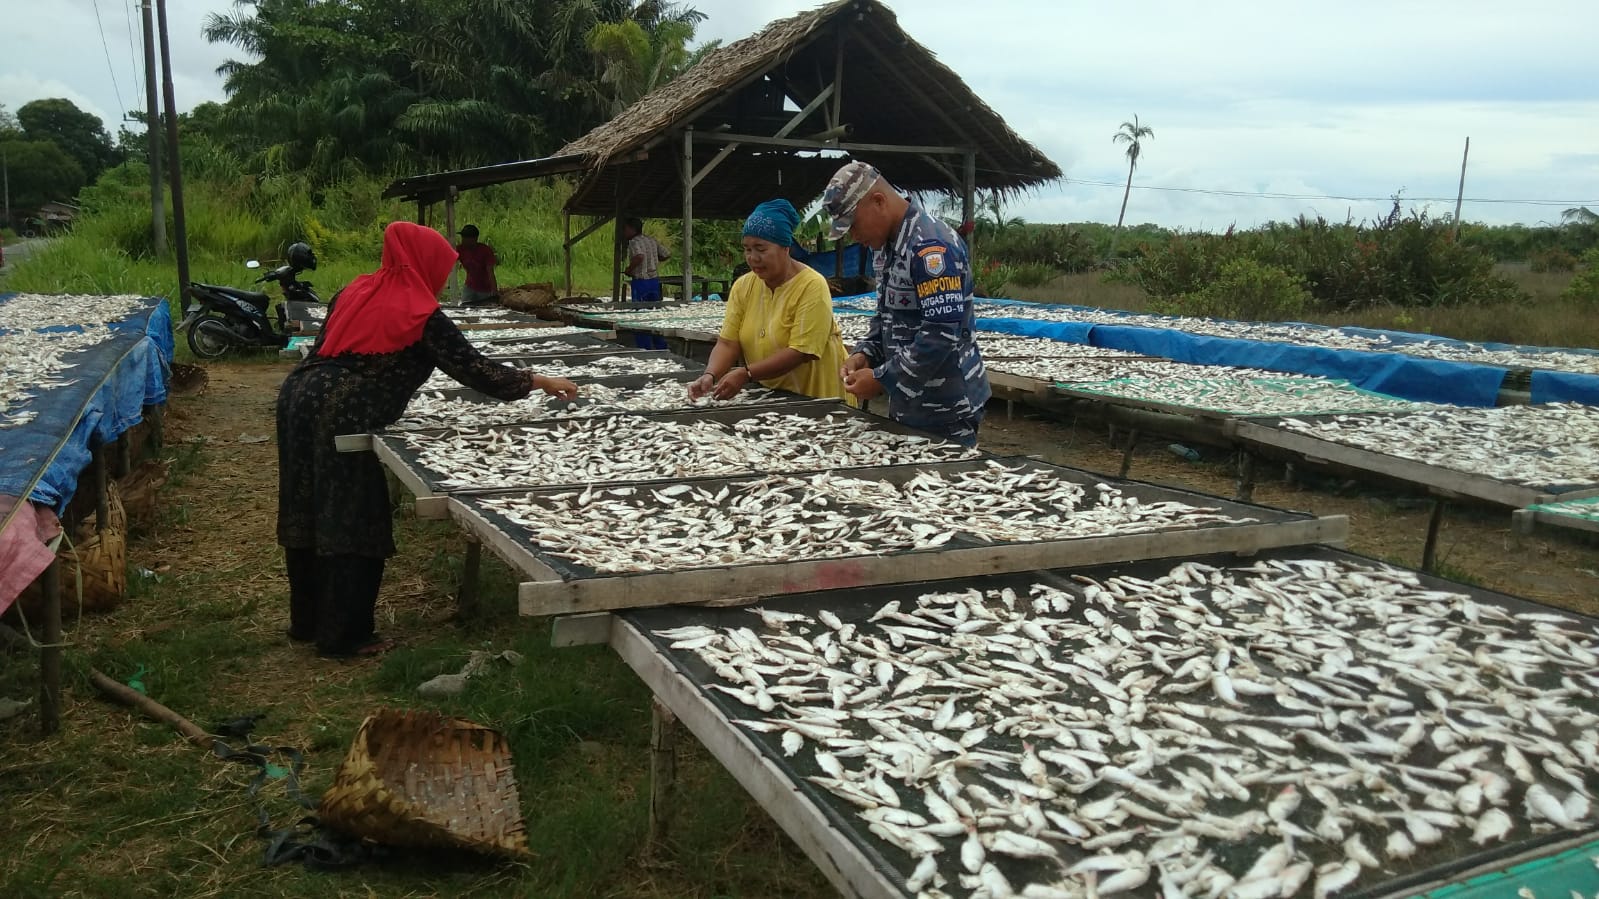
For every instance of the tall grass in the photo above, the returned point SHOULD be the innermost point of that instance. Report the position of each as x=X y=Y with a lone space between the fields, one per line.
x=109 y=249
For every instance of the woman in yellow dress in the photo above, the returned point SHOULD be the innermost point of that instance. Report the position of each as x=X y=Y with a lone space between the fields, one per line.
x=779 y=319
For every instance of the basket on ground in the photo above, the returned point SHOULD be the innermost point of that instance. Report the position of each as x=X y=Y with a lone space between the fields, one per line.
x=98 y=555
x=419 y=779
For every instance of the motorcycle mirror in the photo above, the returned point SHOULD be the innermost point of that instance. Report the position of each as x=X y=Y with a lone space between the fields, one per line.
x=252 y=264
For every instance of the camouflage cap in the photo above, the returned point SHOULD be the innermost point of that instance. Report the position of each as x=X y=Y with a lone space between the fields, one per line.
x=845 y=191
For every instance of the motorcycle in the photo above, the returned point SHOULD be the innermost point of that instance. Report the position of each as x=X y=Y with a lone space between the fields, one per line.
x=223 y=318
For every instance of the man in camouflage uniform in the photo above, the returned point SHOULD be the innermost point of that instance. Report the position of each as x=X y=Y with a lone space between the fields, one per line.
x=921 y=349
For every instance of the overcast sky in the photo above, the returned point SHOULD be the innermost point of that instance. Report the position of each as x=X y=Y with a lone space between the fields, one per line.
x=1355 y=99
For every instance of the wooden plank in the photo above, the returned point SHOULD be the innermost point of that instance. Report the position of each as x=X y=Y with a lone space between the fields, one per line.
x=1555 y=519
x=581 y=630
x=516 y=555
x=556 y=597
x=406 y=475
x=432 y=508
x=828 y=847
x=353 y=443
x=1018 y=383
x=1325 y=451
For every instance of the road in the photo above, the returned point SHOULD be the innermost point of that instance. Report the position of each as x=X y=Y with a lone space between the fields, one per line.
x=16 y=252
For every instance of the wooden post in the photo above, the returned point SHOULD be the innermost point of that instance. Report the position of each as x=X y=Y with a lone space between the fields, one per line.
x=566 y=246
x=688 y=213
x=421 y=213
x=663 y=769
x=158 y=425
x=471 y=563
x=1460 y=195
x=1429 y=552
x=180 y=232
x=152 y=122
x=1244 y=490
x=1127 y=452
x=616 y=245
x=102 y=490
x=50 y=655
x=124 y=456
x=969 y=196
x=449 y=226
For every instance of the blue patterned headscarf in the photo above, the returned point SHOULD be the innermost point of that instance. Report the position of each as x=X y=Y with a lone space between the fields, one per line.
x=773 y=221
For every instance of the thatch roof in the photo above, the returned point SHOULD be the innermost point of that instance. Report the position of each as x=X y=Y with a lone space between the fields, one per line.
x=894 y=92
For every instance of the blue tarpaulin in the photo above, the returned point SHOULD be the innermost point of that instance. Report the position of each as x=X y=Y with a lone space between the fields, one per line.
x=1067 y=332
x=857 y=262
x=111 y=383
x=1565 y=387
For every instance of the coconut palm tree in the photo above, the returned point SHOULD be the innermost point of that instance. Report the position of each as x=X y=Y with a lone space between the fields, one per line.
x=1132 y=134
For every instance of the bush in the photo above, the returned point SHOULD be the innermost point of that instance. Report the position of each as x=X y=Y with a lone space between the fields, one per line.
x=1247 y=290
x=1552 y=260
x=1584 y=288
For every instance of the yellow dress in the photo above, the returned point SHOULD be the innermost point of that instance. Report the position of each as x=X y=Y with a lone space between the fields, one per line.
x=798 y=315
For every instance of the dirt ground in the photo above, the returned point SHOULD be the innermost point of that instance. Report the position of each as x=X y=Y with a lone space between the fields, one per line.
x=1476 y=544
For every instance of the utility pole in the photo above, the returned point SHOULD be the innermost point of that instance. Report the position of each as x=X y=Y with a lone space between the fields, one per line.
x=174 y=164
x=1461 y=195
x=5 y=175
x=152 y=122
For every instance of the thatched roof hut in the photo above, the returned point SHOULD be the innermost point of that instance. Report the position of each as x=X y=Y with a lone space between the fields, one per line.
x=726 y=135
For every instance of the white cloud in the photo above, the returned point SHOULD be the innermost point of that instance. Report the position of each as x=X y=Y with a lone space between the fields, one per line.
x=1358 y=98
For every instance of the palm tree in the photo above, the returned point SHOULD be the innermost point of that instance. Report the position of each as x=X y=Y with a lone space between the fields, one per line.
x=1132 y=134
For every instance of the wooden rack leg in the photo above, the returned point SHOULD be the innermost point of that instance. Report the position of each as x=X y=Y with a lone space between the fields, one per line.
x=1245 y=488
x=466 y=596
x=1127 y=452
x=158 y=423
x=1429 y=552
x=663 y=769
x=124 y=455
x=1290 y=474
x=102 y=491
x=50 y=655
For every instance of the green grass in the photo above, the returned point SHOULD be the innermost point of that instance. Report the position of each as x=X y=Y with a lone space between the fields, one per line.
x=1543 y=319
x=119 y=805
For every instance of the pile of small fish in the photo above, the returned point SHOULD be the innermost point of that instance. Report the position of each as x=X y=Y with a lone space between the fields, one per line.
x=1006 y=346
x=1002 y=503
x=582 y=451
x=791 y=442
x=1263 y=394
x=537 y=347
x=591 y=367
x=1065 y=370
x=523 y=333
x=313 y=313
x=622 y=447
x=1300 y=726
x=30 y=311
x=1555 y=444
x=441 y=410
x=666 y=315
x=1306 y=335
x=32 y=362
x=680 y=526
x=474 y=314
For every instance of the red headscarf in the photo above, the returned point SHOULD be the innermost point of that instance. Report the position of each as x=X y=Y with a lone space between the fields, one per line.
x=385 y=311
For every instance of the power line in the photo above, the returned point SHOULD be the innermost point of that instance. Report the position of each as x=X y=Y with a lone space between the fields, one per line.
x=122 y=108
x=1272 y=195
x=133 y=56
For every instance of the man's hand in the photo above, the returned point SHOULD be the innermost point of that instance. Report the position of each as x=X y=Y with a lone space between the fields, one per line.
x=862 y=383
x=855 y=362
x=560 y=388
x=732 y=382
x=701 y=386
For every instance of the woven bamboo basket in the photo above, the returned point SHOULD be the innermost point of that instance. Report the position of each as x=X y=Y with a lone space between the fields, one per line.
x=101 y=557
x=419 y=779
x=140 y=487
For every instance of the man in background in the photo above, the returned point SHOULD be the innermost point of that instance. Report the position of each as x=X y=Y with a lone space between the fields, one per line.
x=478 y=260
x=643 y=256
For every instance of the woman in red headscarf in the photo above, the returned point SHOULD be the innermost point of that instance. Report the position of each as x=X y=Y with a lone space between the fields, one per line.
x=384 y=335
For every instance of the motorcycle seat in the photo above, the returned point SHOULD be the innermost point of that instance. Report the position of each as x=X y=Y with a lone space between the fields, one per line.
x=260 y=300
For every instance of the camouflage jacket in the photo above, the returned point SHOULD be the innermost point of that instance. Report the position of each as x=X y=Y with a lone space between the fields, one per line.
x=922 y=343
